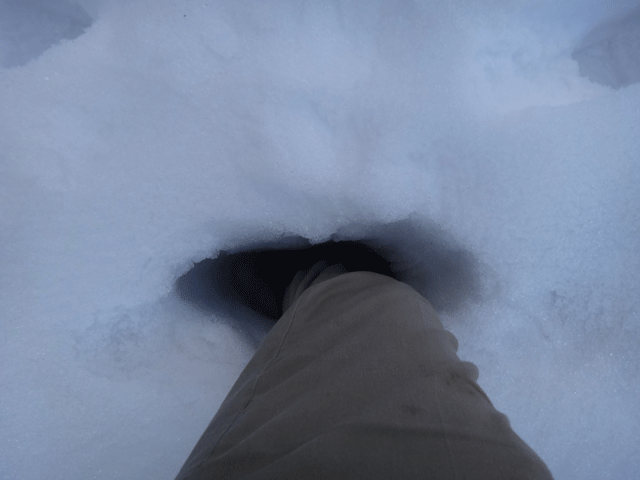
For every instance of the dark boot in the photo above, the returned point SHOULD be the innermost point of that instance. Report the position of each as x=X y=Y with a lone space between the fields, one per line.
x=259 y=279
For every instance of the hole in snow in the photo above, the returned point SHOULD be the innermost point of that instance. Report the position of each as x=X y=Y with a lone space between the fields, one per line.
x=415 y=252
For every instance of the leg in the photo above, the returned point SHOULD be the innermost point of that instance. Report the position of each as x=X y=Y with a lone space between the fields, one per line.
x=358 y=379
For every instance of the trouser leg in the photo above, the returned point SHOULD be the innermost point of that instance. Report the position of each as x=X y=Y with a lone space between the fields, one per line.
x=358 y=379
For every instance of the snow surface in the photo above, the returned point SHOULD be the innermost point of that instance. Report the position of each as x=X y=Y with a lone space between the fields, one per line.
x=139 y=137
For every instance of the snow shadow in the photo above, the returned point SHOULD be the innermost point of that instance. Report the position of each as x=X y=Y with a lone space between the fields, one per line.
x=28 y=28
x=610 y=53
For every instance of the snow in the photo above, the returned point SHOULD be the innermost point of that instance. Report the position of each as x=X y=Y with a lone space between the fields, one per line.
x=138 y=138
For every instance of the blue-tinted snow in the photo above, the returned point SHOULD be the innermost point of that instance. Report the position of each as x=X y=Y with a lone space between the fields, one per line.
x=169 y=131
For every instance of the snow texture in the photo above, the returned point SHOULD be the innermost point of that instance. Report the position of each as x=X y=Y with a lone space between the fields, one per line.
x=140 y=137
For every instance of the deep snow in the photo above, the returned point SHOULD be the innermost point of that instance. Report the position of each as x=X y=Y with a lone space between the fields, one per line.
x=140 y=137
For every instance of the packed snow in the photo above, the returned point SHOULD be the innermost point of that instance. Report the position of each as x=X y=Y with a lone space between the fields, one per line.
x=140 y=137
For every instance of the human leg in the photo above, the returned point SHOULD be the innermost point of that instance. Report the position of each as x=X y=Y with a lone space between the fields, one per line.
x=358 y=379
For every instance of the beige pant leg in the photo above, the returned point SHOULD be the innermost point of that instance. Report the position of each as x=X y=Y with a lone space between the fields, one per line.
x=358 y=379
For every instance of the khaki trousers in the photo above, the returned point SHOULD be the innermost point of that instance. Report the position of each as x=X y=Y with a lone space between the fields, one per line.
x=358 y=379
